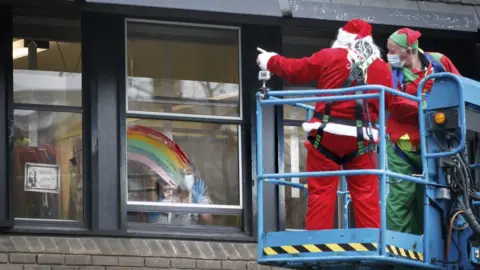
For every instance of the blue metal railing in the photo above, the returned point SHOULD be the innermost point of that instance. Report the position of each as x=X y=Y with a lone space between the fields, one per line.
x=423 y=144
x=382 y=170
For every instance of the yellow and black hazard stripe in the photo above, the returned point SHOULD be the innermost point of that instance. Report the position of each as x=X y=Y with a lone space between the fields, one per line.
x=315 y=248
x=405 y=253
x=359 y=247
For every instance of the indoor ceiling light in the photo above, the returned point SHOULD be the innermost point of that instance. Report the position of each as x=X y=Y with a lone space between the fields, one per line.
x=19 y=49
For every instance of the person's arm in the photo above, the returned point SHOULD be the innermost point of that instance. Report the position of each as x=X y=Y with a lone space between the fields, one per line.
x=397 y=106
x=297 y=70
x=379 y=73
x=200 y=196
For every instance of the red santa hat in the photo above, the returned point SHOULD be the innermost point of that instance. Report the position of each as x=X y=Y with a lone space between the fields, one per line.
x=354 y=30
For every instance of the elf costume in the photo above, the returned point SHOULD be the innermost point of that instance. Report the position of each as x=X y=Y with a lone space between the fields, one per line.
x=405 y=199
x=338 y=132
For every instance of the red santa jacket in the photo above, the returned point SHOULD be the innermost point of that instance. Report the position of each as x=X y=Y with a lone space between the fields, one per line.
x=329 y=68
x=404 y=112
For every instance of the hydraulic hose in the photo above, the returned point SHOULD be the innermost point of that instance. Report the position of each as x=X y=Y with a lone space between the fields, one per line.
x=465 y=204
x=449 y=238
x=472 y=220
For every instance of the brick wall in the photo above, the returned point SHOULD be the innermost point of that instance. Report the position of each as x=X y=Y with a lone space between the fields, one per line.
x=61 y=253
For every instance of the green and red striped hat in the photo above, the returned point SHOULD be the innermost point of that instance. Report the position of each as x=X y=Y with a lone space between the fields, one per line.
x=406 y=38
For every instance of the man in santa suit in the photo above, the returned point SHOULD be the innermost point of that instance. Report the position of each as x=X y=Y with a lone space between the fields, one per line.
x=340 y=133
x=409 y=66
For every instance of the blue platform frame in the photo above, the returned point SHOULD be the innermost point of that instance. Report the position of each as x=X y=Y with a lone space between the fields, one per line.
x=296 y=249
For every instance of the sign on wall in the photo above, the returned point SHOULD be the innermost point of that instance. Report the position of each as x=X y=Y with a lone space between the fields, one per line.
x=44 y=178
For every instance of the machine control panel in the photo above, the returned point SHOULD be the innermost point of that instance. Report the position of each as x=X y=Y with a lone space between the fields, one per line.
x=442 y=119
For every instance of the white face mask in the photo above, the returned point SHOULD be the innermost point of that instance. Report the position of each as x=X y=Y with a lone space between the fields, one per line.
x=189 y=181
x=394 y=60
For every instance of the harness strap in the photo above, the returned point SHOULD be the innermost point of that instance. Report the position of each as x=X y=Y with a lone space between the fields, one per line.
x=358 y=123
x=358 y=75
x=345 y=159
x=341 y=121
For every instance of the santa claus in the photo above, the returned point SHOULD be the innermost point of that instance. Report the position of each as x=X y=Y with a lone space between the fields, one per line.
x=340 y=133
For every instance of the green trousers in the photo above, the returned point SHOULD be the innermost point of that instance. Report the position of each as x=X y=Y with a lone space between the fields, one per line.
x=405 y=198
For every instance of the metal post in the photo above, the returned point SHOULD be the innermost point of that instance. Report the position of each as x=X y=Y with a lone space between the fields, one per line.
x=426 y=202
x=260 y=182
x=309 y=114
x=345 y=202
x=423 y=147
x=383 y=176
x=32 y=55
x=425 y=155
x=33 y=118
x=347 y=213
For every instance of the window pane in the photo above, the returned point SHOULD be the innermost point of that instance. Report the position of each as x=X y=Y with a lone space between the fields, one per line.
x=183 y=69
x=47 y=71
x=185 y=219
x=295 y=113
x=294 y=161
x=183 y=162
x=48 y=165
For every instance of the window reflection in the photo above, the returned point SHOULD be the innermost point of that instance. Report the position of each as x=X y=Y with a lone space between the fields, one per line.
x=183 y=96
x=294 y=156
x=182 y=162
x=48 y=159
x=183 y=69
x=186 y=219
x=50 y=76
x=294 y=161
x=48 y=165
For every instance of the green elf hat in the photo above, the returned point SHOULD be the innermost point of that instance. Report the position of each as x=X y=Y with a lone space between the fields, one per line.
x=406 y=38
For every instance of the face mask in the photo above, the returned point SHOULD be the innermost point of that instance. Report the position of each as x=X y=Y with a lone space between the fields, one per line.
x=395 y=61
x=189 y=181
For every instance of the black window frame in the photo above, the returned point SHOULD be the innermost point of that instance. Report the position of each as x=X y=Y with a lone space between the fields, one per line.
x=104 y=125
x=239 y=121
x=20 y=223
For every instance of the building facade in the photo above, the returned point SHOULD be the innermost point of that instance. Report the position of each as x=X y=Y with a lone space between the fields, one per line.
x=128 y=126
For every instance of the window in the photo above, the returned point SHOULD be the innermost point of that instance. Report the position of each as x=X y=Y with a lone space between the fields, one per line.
x=294 y=157
x=48 y=173
x=294 y=161
x=184 y=123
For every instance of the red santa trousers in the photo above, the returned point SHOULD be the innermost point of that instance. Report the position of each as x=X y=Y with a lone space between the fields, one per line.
x=322 y=191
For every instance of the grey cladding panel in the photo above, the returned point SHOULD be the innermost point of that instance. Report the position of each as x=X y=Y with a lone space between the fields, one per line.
x=392 y=4
x=251 y=7
x=385 y=15
x=444 y=7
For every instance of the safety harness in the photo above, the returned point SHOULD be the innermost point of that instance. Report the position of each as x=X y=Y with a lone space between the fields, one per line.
x=357 y=75
x=398 y=78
